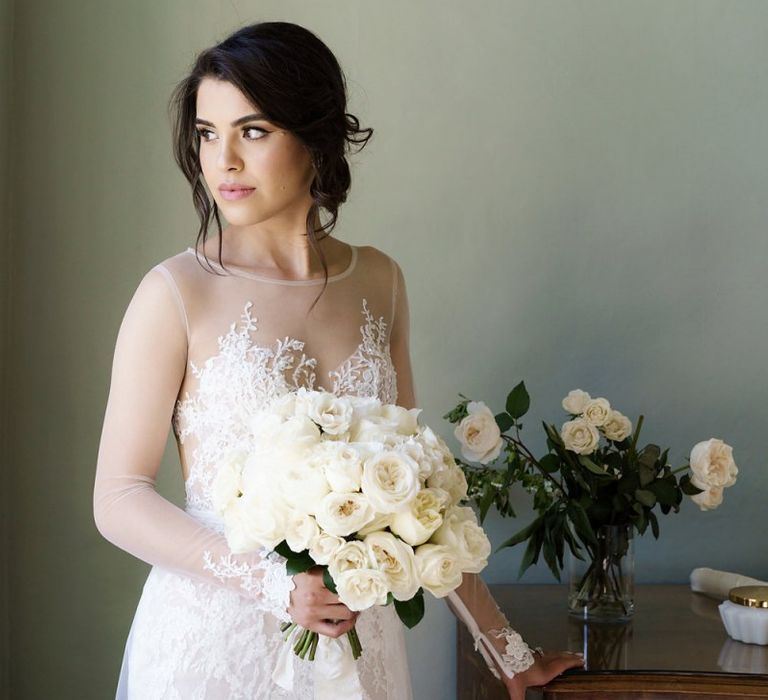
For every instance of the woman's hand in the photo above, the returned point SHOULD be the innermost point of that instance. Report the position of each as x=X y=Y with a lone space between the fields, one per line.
x=546 y=666
x=313 y=607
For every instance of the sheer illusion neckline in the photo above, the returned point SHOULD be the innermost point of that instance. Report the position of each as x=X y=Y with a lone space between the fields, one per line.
x=243 y=272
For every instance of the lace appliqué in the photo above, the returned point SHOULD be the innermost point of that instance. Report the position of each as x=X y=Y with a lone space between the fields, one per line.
x=369 y=370
x=244 y=377
x=517 y=654
x=267 y=580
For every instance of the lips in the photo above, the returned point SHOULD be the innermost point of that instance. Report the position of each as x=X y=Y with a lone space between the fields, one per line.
x=234 y=192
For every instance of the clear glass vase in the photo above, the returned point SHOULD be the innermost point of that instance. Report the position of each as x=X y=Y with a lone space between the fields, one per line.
x=602 y=586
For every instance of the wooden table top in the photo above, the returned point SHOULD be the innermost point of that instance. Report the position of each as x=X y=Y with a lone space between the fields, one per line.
x=673 y=629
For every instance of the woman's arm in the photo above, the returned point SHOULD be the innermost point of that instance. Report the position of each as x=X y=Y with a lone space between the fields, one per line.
x=508 y=657
x=148 y=368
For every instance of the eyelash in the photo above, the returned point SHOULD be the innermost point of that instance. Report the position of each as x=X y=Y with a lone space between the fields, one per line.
x=201 y=133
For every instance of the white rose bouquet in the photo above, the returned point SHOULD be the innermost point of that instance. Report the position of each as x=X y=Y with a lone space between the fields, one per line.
x=360 y=488
x=594 y=477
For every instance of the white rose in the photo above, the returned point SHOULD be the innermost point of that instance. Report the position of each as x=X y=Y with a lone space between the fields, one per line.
x=451 y=479
x=406 y=420
x=415 y=450
x=254 y=521
x=461 y=532
x=397 y=561
x=576 y=401
x=438 y=569
x=479 y=434
x=342 y=465
x=351 y=555
x=373 y=428
x=712 y=464
x=332 y=413
x=597 y=411
x=380 y=522
x=417 y=524
x=285 y=405
x=303 y=484
x=342 y=514
x=617 y=426
x=359 y=589
x=297 y=434
x=390 y=481
x=300 y=531
x=710 y=498
x=324 y=546
x=580 y=436
x=227 y=484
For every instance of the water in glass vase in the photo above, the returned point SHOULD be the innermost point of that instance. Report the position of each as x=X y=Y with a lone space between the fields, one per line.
x=602 y=586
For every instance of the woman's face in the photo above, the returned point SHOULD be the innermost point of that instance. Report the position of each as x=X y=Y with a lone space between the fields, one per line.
x=237 y=147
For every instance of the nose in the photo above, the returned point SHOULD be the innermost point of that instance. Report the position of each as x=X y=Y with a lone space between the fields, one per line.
x=229 y=158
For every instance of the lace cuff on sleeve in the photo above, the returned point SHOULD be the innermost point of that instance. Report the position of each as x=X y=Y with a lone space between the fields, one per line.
x=266 y=581
x=502 y=648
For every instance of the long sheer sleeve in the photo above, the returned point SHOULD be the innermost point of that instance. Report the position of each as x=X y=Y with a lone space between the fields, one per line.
x=502 y=648
x=148 y=367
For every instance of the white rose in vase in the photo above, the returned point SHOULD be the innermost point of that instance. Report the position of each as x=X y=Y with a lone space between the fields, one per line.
x=712 y=464
x=596 y=411
x=710 y=498
x=479 y=434
x=617 y=426
x=576 y=401
x=580 y=436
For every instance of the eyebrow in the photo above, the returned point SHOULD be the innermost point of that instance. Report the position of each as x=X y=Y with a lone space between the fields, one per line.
x=242 y=120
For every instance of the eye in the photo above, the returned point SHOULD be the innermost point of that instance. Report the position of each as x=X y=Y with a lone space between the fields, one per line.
x=255 y=128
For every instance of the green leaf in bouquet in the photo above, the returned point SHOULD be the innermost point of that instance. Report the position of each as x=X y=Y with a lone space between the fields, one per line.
x=523 y=534
x=647 y=474
x=518 y=401
x=591 y=466
x=458 y=413
x=486 y=500
x=573 y=543
x=504 y=421
x=641 y=522
x=654 y=524
x=531 y=555
x=629 y=483
x=553 y=437
x=649 y=456
x=647 y=498
x=550 y=463
x=411 y=611
x=665 y=490
x=330 y=584
x=298 y=563
x=687 y=486
x=581 y=524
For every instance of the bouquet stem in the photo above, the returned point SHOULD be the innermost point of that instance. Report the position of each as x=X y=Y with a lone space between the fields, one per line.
x=308 y=640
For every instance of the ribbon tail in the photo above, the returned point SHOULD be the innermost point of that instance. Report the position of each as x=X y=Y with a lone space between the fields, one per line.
x=282 y=674
x=336 y=674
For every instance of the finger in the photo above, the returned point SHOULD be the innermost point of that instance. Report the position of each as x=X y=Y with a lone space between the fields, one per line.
x=332 y=612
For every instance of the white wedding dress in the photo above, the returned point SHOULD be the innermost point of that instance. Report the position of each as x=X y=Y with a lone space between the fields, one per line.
x=198 y=349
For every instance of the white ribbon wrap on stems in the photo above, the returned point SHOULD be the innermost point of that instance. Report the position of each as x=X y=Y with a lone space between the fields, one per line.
x=335 y=670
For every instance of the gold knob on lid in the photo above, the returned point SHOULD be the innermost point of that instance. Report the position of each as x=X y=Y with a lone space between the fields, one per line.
x=750 y=596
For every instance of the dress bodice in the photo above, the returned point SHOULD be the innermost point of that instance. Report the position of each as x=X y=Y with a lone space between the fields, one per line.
x=250 y=340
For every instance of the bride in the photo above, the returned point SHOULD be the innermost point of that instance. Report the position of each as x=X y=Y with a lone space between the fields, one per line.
x=215 y=331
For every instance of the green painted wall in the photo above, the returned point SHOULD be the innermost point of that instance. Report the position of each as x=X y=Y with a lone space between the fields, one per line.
x=577 y=193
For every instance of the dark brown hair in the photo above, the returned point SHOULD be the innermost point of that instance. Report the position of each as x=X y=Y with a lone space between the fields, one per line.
x=297 y=83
